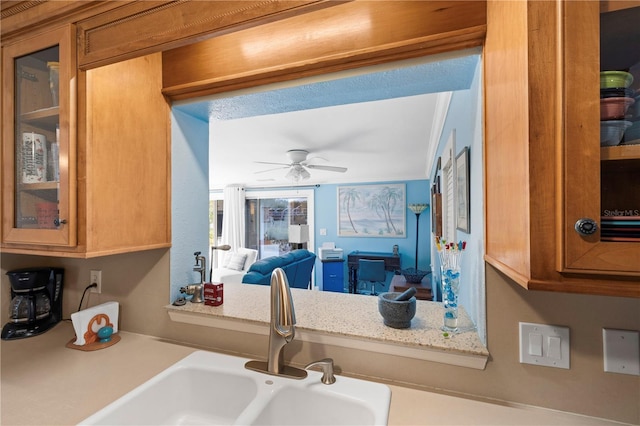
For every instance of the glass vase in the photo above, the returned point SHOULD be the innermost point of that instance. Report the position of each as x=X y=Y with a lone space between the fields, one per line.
x=450 y=288
x=450 y=272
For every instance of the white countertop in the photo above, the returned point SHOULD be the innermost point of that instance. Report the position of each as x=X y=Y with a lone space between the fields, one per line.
x=45 y=383
x=348 y=320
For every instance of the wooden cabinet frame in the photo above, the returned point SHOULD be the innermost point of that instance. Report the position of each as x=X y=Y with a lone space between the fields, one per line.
x=542 y=150
x=65 y=235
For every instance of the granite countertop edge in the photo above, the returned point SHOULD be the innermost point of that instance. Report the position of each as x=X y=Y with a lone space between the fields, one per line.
x=324 y=313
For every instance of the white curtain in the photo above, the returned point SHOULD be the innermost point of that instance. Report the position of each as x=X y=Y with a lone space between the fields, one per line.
x=233 y=226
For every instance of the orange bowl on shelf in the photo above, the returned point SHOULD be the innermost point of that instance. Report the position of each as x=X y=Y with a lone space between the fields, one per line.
x=611 y=131
x=609 y=79
x=614 y=108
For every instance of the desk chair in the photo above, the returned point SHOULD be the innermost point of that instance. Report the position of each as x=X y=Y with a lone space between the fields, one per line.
x=371 y=271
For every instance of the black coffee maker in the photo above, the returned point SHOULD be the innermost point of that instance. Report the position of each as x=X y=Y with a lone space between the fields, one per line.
x=36 y=302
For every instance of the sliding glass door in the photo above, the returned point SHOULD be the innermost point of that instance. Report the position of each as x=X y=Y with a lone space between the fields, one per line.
x=268 y=218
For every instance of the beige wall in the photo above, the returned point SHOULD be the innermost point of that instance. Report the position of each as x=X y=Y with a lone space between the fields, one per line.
x=139 y=282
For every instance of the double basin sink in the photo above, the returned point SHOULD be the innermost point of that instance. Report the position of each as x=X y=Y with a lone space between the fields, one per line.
x=208 y=388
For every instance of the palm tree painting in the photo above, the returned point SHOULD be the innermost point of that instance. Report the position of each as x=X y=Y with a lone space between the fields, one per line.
x=372 y=210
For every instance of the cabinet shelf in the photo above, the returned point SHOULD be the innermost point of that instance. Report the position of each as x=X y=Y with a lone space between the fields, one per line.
x=45 y=117
x=621 y=152
x=43 y=186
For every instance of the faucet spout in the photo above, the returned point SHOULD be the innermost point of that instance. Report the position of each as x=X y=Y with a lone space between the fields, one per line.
x=281 y=330
x=283 y=320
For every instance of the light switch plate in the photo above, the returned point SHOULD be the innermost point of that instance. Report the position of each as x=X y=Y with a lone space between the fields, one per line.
x=621 y=351
x=552 y=350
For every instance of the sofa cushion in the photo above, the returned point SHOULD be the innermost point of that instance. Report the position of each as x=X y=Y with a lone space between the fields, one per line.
x=288 y=258
x=300 y=254
x=267 y=265
x=297 y=265
x=251 y=257
x=237 y=261
x=226 y=258
x=227 y=276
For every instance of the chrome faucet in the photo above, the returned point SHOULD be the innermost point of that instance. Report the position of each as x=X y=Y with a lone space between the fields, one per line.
x=281 y=330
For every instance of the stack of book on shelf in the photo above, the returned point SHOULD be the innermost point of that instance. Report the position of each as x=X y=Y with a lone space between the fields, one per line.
x=620 y=228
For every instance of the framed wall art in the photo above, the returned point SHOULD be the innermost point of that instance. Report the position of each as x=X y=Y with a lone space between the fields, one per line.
x=463 y=208
x=372 y=210
x=436 y=208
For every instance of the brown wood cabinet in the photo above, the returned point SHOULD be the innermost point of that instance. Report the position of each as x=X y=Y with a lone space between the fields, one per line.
x=113 y=191
x=545 y=169
x=141 y=27
x=346 y=36
x=38 y=130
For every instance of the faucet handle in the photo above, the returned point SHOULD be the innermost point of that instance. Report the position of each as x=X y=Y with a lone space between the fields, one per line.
x=327 y=370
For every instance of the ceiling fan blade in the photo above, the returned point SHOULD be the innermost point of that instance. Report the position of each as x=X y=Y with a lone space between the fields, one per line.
x=327 y=168
x=270 y=170
x=268 y=162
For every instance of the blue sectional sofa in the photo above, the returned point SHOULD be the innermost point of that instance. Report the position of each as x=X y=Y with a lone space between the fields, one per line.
x=297 y=265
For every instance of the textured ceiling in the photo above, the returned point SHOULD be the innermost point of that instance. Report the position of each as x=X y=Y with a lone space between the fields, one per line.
x=378 y=118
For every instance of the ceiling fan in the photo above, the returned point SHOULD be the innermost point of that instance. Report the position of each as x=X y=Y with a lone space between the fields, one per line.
x=298 y=165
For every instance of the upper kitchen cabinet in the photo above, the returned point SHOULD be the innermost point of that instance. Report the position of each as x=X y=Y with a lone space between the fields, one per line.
x=549 y=183
x=38 y=139
x=86 y=158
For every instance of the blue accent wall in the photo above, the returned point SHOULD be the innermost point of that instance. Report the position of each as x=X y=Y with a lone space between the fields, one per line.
x=326 y=217
x=189 y=197
x=465 y=117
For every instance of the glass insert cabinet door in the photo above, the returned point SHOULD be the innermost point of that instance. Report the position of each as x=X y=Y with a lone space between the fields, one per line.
x=37 y=137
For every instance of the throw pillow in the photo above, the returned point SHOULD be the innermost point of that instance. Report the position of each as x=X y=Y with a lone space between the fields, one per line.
x=226 y=259
x=237 y=261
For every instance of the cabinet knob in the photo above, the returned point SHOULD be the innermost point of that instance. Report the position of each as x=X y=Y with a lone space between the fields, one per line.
x=58 y=222
x=586 y=226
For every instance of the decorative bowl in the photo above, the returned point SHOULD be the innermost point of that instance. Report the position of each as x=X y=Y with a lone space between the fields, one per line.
x=632 y=134
x=396 y=313
x=614 y=108
x=635 y=110
x=413 y=275
x=616 y=92
x=611 y=131
x=609 y=79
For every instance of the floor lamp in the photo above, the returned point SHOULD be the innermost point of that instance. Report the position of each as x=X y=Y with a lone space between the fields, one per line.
x=224 y=247
x=414 y=275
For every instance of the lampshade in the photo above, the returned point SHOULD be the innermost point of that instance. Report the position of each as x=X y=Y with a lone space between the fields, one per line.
x=418 y=208
x=298 y=234
x=298 y=173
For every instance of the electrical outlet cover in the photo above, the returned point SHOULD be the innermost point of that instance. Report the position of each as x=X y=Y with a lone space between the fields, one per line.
x=621 y=351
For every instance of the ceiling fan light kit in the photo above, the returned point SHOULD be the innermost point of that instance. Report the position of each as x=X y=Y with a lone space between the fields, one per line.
x=297 y=173
x=299 y=163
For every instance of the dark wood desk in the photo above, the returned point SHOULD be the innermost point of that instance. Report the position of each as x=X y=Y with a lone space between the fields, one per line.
x=391 y=263
x=423 y=289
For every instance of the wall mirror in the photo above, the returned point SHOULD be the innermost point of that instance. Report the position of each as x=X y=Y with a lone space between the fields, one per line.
x=383 y=124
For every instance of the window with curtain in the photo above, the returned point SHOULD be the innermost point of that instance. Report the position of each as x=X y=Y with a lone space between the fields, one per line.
x=268 y=215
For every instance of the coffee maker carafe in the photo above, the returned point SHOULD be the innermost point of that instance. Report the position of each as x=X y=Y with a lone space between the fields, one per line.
x=36 y=303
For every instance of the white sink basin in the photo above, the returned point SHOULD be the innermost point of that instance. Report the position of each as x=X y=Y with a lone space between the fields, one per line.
x=208 y=388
